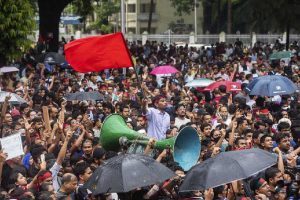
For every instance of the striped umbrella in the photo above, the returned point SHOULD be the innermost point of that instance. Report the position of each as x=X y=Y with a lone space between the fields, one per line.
x=15 y=99
x=202 y=82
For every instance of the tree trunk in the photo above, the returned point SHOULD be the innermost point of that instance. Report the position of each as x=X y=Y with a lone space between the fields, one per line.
x=49 y=13
x=3 y=60
x=229 y=18
x=150 y=16
x=207 y=15
x=218 y=16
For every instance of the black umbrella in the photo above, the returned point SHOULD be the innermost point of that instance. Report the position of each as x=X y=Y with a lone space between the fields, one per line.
x=127 y=172
x=54 y=58
x=81 y=96
x=227 y=167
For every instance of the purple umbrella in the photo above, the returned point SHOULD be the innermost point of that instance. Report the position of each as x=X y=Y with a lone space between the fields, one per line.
x=166 y=69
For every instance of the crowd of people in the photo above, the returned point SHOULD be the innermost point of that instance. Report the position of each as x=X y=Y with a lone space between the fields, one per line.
x=63 y=151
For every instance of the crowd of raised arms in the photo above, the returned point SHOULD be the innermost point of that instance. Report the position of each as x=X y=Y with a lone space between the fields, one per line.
x=62 y=151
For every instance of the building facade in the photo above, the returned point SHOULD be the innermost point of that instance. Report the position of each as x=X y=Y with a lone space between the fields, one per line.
x=163 y=18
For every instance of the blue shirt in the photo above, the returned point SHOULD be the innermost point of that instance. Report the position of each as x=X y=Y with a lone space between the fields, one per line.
x=158 y=123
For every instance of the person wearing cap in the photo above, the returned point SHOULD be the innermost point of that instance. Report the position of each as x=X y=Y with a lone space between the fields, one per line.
x=261 y=188
x=243 y=93
x=102 y=88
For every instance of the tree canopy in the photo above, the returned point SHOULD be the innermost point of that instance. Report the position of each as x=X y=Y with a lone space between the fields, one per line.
x=17 y=23
x=264 y=16
x=104 y=10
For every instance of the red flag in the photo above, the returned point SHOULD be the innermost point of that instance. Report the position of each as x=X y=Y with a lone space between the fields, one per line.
x=93 y=54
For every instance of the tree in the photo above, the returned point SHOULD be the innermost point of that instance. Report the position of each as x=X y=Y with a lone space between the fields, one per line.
x=229 y=19
x=17 y=22
x=256 y=15
x=183 y=6
x=213 y=12
x=150 y=16
x=103 y=11
x=49 y=13
x=83 y=9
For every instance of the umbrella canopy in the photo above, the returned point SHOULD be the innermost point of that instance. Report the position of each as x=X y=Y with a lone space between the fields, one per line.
x=166 y=69
x=271 y=85
x=281 y=55
x=81 y=96
x=127 y=172
x=202 y=82
x=8 y=69
x=15 y=99
x=54 y=58
x=227 y=167
x=230 y=86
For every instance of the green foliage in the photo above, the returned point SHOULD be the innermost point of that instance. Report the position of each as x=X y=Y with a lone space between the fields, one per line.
x=104 y=9
x=83 y=8
x=183 y=6
x=267 y=15
x=17 y=23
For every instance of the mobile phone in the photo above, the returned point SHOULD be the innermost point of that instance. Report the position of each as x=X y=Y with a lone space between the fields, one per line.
x=42 y=157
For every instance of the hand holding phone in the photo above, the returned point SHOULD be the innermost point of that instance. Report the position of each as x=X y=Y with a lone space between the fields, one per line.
x=42 y=157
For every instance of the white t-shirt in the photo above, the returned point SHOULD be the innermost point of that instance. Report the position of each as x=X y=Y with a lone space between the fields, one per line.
x=179 y=122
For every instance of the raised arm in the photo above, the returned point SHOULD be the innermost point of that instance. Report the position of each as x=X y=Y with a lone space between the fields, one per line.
x=63 y=150
x=4 y=108
x=3 y=157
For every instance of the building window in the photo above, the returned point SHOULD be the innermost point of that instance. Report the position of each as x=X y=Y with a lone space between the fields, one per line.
x=145 y=8
x=131 y=8
x=133 y=30
x=152 y=31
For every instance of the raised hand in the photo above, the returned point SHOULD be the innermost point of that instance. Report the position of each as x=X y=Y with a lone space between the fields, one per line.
x=209 y=194
x=27 y=125
x=8 y=97
x=3 y=156
x=151 y=142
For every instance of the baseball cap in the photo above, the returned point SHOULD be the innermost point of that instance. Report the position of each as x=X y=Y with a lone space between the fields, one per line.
x=256 y=183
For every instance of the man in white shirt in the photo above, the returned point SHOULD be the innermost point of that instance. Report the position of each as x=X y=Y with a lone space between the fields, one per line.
x=181 y=119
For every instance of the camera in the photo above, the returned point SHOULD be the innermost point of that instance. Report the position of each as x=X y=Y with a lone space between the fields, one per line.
x=293 y=186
